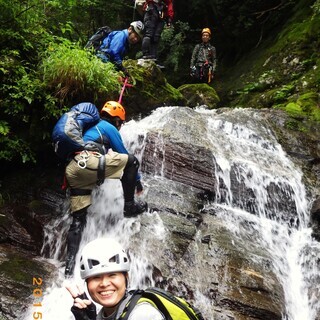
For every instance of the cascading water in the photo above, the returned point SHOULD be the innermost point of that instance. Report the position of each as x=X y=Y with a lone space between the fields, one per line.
x=259 y=162
x=269 y=210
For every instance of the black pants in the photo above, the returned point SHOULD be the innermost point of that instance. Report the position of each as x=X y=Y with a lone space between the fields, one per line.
x=79 y=220
x=153 y=26
x=129 y=178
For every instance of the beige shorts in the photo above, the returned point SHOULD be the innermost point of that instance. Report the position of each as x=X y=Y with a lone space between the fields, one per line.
x=81 y=173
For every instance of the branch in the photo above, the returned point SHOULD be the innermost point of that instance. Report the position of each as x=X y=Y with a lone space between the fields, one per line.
x=19 y=14
x=259 y=14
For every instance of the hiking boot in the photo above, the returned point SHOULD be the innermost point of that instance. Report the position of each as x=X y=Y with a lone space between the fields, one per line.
x=150 y=57
x=134 y=208
x=160 y=66
x=70 y=263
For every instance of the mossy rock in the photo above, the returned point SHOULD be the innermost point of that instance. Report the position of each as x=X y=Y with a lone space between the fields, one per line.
x=200 y=94
x=283 y=69
x=150 y=89
x=21 y=274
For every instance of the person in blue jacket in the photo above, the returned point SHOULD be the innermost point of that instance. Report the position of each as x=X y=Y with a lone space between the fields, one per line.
x=106 y=133
x=115 y=45
x=104 y=156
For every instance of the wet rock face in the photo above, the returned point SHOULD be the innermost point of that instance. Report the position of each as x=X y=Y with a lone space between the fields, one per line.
x=23 y=224
x=24 y=278
x=315 y=218
x=191 y=166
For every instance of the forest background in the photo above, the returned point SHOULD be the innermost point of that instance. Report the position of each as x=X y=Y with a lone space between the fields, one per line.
x=44 y=69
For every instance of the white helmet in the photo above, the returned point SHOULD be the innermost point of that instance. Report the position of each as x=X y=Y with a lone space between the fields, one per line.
x=138 y=28
x=103 y=255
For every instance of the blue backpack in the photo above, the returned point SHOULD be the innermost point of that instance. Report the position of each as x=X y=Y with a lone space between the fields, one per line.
x=68 y=131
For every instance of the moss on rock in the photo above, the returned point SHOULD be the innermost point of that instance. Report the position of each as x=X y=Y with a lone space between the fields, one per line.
x=200 y=94
x=283 y=72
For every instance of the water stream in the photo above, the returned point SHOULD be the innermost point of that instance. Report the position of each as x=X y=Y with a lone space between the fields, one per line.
x=271 y=211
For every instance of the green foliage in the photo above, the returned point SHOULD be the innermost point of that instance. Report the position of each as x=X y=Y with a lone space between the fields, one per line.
x=172 y=44
x=283 y=93
x=294 y=109
x=75 y=74
x=4 y=128
x=305 y=107
x=250 y=87
x=12 y=148
x=316 y=7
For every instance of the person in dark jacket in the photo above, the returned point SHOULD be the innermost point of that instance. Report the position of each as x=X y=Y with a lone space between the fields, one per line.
x=115 y=45
x=203 y=61
x=105 y=156
x=157 y=13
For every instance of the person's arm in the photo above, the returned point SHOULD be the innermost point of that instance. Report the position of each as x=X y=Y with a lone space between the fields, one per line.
x=214 y=58
x=170 y=11
x=117 y=46
x=194 y=56
x=114 y=137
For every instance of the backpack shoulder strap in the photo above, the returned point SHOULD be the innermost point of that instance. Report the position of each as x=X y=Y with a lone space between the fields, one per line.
x=129 y=305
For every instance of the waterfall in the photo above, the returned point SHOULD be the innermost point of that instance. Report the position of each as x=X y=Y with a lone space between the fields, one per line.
x=270 y=210
x=259 y=162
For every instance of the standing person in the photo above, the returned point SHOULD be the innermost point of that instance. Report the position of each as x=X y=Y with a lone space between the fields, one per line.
x=104 y=265
x=104 y=157
x=157 y=13
x=203 y=61
x=115 y=45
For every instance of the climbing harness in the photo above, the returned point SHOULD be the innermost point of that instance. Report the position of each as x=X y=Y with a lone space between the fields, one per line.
x=85 y=155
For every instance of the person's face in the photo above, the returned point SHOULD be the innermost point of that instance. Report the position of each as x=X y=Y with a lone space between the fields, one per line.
x=107 y=289
x=133 y=37
x=205 y=37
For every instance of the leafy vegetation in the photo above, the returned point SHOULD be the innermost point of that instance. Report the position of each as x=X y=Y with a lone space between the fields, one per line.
x=74 y=74
x=43 y=70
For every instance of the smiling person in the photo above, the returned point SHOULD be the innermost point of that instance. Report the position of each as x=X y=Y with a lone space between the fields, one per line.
x=104 y=265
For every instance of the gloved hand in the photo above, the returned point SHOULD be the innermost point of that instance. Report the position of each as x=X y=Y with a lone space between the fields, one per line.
x=169 y=22
x=193 y=71
x=139 y=186
x=88 y=313
x=126 y=73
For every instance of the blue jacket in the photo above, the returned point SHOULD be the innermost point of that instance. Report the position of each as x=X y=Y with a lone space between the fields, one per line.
x=114 y=46
x=107 y=134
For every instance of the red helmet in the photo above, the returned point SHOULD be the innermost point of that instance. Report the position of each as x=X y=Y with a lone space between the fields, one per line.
x=114 y=109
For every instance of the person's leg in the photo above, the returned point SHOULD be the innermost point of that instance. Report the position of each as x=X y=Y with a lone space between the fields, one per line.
x=129 y=177
x=156 y=38
x=81 y=182
x=131 y=207
x=150 y=21
x=79 y=220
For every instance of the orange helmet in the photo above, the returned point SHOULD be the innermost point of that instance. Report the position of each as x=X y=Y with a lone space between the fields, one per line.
x=206 y=30
x=114 y=109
